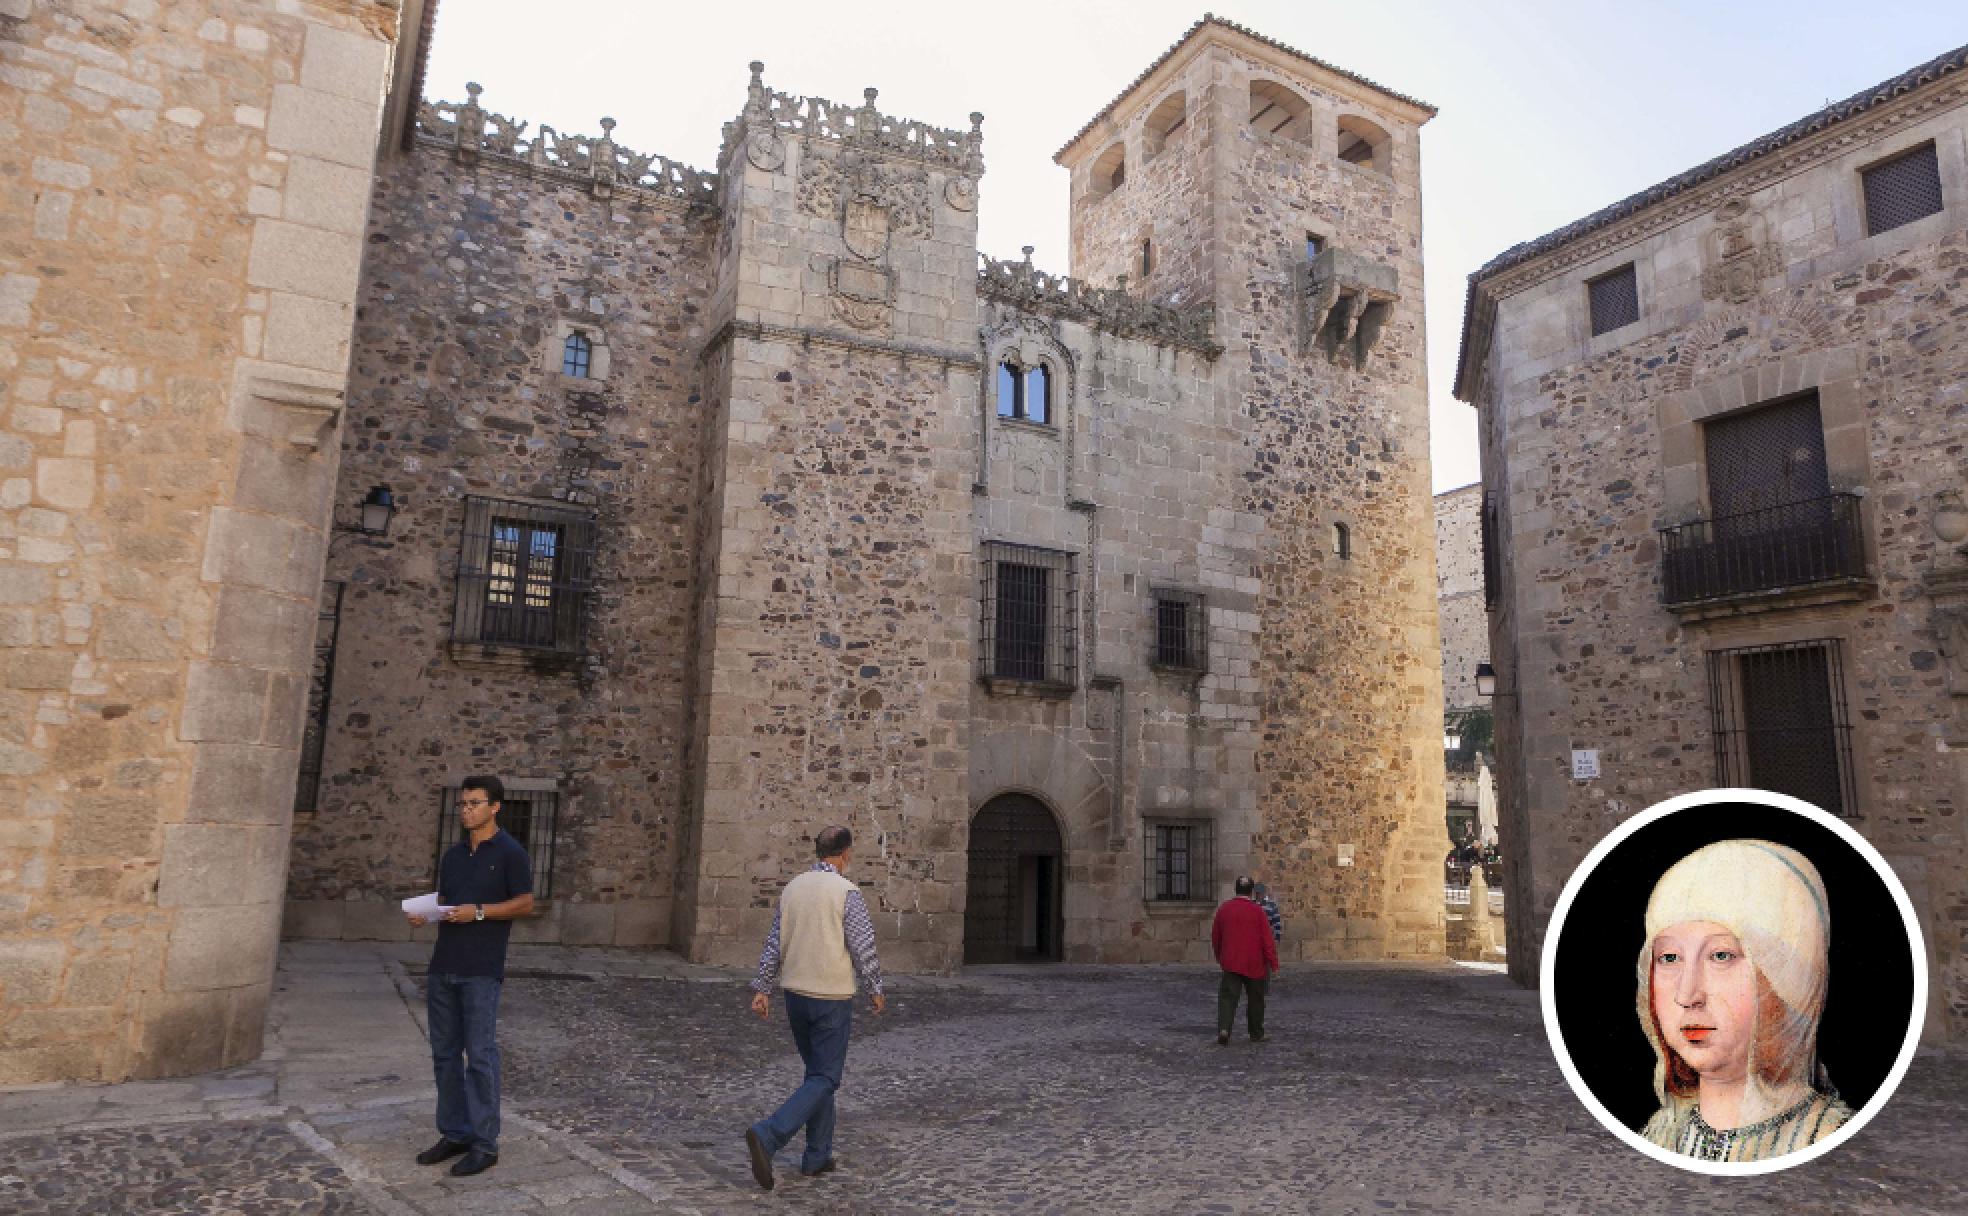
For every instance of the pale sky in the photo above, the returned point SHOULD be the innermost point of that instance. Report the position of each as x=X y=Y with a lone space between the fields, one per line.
x=1549 y=109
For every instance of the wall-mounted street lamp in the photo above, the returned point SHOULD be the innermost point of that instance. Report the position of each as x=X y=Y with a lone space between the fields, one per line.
x=1486 y=682
x=376 y=512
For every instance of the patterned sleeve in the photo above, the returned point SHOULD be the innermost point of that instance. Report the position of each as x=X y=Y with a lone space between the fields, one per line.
x=768 y=968
x=860 y=932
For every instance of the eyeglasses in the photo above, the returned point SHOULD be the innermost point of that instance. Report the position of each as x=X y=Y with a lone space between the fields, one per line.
x=476 y=802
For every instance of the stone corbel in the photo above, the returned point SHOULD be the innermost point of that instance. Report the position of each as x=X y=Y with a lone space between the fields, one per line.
x=1348 y=301
x=312 y=411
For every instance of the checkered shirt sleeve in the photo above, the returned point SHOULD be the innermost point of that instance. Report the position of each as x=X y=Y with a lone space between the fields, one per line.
x=768 y=968
x=860 y=932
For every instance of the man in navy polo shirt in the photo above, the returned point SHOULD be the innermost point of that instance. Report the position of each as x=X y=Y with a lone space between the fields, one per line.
x=487 y=882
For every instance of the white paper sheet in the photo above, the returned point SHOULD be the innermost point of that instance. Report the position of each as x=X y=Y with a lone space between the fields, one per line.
x=425 y=906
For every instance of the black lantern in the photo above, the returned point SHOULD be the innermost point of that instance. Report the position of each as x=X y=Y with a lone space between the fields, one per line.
x=1486 y=680
x=377 y=511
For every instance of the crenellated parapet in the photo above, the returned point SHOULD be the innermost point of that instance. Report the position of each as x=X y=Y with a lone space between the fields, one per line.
x=769 y=115
x=1023 y=285
x=473 y=132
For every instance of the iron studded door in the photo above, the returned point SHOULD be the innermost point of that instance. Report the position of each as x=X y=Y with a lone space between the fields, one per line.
x=1016 y=863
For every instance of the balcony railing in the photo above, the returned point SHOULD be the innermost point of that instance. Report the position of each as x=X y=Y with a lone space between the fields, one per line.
x=1798 y=544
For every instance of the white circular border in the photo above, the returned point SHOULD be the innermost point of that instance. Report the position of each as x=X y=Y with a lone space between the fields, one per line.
x=1661 y=810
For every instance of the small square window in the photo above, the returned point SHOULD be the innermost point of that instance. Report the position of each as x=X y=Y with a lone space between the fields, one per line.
x=576 y=355
x=1178 y=861
x=1314 y=245
x=1181 y=634
x=1615 y=300
x=1902 y=190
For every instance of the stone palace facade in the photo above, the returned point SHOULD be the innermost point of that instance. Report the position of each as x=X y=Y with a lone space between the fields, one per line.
x=722 y=504
x=1722 y=430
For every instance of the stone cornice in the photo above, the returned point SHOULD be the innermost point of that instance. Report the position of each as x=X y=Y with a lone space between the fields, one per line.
x=1669 y=205
x=759 y=331
x=1023 y=286
x=769 y=115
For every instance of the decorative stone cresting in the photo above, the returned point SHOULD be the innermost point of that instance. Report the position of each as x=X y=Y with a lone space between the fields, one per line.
x=768 y=113
x=1023 y=285
x=473 y=131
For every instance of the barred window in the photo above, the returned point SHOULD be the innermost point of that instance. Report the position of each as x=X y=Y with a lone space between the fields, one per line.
x=1181 y=631
x=1614 y=299
x=530 y=816
x=1902 y=190
x=1780 y=721
x=575 y=355
x=1178 y=861
x=524 y=576
x=1030 y=611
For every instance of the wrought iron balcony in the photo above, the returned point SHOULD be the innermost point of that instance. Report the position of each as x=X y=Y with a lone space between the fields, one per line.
x=1790 y=547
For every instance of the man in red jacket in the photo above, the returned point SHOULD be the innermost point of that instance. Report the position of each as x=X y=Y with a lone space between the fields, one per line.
x=1248 y=955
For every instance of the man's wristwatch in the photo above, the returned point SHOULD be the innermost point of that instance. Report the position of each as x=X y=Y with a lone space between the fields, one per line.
x=478 y=911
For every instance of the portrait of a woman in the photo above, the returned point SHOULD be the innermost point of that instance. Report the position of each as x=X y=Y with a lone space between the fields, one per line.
x=1732 y=983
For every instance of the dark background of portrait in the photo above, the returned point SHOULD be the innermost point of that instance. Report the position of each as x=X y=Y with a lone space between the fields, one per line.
x=1869 y=993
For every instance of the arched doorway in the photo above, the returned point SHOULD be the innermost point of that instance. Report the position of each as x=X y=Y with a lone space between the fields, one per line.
x=1017 y=871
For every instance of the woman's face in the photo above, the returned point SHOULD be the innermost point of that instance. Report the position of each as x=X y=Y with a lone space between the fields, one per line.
x=1704 y=994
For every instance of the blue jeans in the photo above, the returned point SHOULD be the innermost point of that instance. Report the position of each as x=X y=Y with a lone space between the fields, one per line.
x=820 y=1030
x=463 y=1011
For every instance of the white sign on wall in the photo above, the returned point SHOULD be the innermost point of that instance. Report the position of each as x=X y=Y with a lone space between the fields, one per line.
x=1585 y=764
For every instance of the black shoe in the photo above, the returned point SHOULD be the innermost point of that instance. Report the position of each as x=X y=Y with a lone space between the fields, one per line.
x=443 y=1150
x=475 y=1162
x=761 y=1160
x=826 y=1167
x=1257 y=1037
x=1223 y=1038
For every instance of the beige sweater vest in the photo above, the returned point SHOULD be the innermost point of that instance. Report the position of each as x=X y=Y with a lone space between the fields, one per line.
x=813 y=957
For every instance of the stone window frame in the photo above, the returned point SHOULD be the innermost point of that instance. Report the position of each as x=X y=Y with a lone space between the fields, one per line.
x=1840 y=625
x=1289 y=97
x=1156 y=127
x=1062 y=625
x=1342 y=540
x=556 y=349
x=1107 y=173
x=1196 y=626
x=1025 y=356
x=448 y=821
x=1832 y=373
x=467 y=643
x=1848 y=195
x=1203 y=824
x=1379 y=141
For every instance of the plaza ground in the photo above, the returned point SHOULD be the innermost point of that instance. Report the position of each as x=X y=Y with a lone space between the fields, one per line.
x=629 y=1078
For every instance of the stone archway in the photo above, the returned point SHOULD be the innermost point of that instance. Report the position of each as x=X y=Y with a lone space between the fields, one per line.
x=1013 y=909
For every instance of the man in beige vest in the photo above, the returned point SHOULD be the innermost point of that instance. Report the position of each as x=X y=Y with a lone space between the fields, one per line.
x=821 y=937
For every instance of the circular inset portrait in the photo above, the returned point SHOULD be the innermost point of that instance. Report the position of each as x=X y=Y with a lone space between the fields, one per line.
x=1733 y=981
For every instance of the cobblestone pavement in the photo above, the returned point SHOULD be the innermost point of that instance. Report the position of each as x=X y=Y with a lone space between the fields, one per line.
x=630 y=1078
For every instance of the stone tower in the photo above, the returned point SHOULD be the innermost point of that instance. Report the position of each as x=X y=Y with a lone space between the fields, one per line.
x=835 y=579
x=1286 y=192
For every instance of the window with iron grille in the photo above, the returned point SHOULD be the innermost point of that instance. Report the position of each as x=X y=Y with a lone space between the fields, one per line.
x=314 y=735
x=1615 y=300
x=529 y=815
x=524 y=576
x=1903 y=189
x=1780 y=722
x=1030 y=614
x=576 y=355
x=1492 y=576
x=1181 y=631
x=1178 y=861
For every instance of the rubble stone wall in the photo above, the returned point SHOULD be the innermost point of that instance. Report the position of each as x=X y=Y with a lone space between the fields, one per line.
x=1459 y=582
x=1766 y=285
x=473 y=278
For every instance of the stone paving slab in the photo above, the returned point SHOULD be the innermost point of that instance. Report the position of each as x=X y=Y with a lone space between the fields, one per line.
x=631 y=1076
